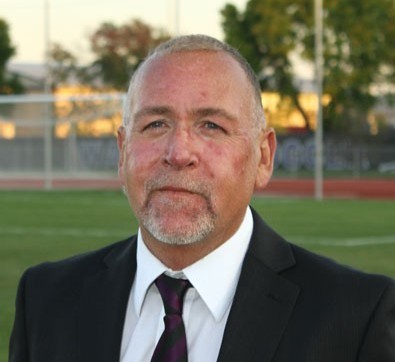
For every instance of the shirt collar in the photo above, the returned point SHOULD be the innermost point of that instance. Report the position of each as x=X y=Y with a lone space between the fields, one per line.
x=148 y=269
x=214 y=277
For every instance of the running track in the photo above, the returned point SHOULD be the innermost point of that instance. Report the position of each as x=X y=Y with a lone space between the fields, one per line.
x=333 y=188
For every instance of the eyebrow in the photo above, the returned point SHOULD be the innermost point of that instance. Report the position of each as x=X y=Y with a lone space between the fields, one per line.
x=196 y=113
x=154 y=111
x=213 y=111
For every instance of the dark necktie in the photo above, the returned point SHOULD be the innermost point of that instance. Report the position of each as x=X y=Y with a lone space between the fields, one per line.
x=172 y=345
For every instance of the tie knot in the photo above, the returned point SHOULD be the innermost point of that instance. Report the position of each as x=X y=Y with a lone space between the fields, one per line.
x=172 y=291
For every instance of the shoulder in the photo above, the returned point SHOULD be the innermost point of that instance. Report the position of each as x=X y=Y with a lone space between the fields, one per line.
x=354 y=302
x=306 y=268
x=346 y=294
x=323 y=269
x=320 y=280
x=72 y=269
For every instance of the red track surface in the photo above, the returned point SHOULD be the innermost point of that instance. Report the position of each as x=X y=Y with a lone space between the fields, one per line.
x=342 y=188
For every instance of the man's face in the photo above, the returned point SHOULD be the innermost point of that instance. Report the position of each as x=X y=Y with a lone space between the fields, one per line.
x=192 y=152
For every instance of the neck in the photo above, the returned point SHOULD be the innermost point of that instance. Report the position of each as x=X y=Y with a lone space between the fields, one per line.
x=178 y=257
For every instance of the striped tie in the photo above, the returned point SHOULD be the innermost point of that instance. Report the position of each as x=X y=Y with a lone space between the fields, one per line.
x=172 y=345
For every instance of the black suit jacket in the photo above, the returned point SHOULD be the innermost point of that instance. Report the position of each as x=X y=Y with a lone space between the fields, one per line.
x=290 y=306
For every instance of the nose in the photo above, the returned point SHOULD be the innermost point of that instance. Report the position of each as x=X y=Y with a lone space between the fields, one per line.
x=181 y=152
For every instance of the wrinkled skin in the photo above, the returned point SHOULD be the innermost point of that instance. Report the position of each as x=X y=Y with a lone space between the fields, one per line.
x=192 y=153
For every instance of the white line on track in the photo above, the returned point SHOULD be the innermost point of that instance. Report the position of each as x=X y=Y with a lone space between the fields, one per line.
x=64 y=232
x=115 y=234
x=347 y=242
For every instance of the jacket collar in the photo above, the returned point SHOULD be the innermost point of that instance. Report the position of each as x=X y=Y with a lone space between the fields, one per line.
x=264 y=300
x=262 y=305
x=103 y=304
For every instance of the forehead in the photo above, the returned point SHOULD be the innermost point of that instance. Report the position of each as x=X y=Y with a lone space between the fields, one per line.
x=204 y=73
x=204 y=60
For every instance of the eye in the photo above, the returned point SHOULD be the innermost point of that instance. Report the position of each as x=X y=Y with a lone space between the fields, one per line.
x=155 y=125
x=212 y=126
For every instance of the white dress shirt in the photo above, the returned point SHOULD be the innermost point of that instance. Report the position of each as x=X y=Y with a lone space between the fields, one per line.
x=206 y=305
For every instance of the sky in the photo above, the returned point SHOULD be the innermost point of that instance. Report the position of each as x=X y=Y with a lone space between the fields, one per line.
x=71 y=21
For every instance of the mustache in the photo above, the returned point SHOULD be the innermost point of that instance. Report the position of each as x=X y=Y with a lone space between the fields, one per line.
x=185 y=183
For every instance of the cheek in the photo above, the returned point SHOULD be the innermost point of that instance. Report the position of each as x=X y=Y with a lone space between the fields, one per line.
x=140 y=156
x=242 y=160
x=232 y=159
x=140 y=161
x=216 y=159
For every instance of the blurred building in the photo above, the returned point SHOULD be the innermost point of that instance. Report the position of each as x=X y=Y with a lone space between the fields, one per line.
x=101 y=117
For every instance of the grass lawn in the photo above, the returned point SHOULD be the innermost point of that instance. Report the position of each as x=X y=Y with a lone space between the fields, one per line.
x=37 y=226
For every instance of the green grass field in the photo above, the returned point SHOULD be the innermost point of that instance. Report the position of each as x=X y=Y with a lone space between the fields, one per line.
x=38 y=226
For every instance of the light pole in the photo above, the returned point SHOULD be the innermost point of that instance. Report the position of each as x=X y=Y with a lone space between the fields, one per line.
x=177 y=17
x=318 y=178
x=47 y=108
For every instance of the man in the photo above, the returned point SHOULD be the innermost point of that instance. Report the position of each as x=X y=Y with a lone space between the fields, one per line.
x=193 y=147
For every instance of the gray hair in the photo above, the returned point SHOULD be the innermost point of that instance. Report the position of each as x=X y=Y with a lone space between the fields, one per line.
x=190 y=43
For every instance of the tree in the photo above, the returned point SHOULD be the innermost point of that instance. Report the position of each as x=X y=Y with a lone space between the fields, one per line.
x=65 y=68
x=8 y=83
x=358 y=49
x=63 y=64
x=120 y=49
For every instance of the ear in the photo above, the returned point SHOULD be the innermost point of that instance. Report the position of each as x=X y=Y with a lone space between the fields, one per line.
x=121 y=141
x=267 y=149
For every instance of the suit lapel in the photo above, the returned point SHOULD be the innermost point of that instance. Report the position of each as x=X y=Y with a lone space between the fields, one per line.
x=103 y=305
x=260 y=311
x=263 y=301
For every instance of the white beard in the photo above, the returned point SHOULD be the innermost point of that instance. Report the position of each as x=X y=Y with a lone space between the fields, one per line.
x=198 y=224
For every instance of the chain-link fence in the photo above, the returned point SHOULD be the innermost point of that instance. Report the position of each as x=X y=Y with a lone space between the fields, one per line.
x=52 y=137
x=59 y=136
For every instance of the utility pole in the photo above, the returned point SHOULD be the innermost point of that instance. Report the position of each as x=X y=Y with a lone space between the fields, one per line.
x=47 y=108
x=177 y=17
x=318 y=178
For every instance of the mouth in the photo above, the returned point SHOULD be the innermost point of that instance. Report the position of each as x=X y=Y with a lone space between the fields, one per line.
x=176 y=193
x=179 y=190
x=175 y=190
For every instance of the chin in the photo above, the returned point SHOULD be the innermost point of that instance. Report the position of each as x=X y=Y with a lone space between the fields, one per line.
x=180 y=233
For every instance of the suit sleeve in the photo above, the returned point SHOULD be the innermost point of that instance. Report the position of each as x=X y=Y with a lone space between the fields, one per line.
x=379 y=341
x=18 y=351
